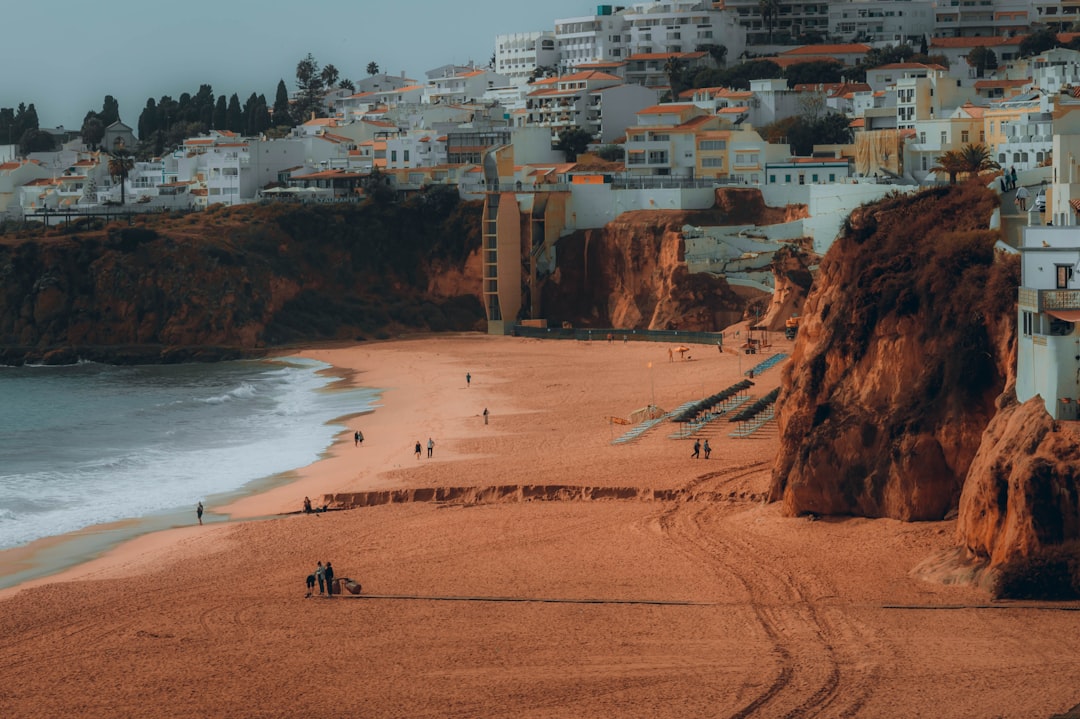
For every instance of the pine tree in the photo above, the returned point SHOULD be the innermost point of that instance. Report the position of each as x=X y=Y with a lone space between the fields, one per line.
x=220 y=110
x=282 y=115
x=234 y=117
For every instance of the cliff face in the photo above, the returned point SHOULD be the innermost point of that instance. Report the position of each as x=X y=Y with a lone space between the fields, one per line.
x=632 y=273
x=228 y=283
x=905 y=342
x=1022 y=492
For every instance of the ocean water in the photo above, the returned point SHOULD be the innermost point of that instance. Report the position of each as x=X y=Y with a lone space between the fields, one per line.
x=89 y=444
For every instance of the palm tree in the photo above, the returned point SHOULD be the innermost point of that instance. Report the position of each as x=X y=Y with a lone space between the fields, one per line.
x=373 y=68
x=977 y=159
x=120 y=163
x=951 y=163
x=770 y=10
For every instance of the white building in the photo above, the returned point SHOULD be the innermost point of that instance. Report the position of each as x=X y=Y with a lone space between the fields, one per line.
x=462 y=87
x=671 y=26
x=881 y=21
x=1049 y=319
x=518 y=54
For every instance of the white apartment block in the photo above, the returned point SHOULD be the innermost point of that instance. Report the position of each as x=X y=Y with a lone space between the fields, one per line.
x=1064 y=195
x=670 y=26
x=1048 y=319
x=518 y=54
x=456 y=88
x=1055 y=69
x=984 y=18
x=795 y=19
x=1056 y=14
x=881 y=21
x=1022 y=130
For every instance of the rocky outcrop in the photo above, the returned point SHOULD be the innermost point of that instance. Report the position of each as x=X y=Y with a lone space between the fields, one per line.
x=905 y=342
x=791 y=286
x=231 y=283
x=1022 y=491
x=632 y=273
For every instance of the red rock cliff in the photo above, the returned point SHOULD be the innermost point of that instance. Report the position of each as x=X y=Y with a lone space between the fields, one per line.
x=631 y=273
x=905 y=342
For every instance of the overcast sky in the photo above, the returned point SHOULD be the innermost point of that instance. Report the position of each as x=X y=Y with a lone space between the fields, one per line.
x=66 y=55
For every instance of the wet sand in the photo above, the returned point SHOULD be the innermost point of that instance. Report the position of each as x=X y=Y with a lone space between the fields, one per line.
x=540 y=603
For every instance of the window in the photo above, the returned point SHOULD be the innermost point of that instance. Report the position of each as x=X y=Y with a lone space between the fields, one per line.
x=922 y=137
x=944 y=137
x=1064 y=274
x=1027 y=324
x=712 y=162
x=393 y=156
x=772 y=179
x=787 y=179
x=832 y=177
x=982 y=135
x=405 y=154
x=813 y=178
x=965 y=136
x=714 y=144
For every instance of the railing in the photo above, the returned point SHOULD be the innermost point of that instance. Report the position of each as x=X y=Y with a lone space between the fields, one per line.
x=618 y=335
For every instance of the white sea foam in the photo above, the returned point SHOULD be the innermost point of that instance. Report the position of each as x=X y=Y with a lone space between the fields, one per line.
x=155 y=440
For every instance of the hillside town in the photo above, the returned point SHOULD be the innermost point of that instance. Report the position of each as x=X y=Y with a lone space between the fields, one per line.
x=827 y=104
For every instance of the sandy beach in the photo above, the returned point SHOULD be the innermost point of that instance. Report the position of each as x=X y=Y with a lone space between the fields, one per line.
x=577 y=594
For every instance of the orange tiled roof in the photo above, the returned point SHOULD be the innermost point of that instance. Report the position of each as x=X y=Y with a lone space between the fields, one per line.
x=666 y=55
x=664 y=109
x=844 y=49
x=787 y=61
x=963 y=42
x=999 y=84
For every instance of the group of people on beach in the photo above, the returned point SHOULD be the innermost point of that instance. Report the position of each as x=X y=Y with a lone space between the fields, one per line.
x=324 y=575
x=698 y=447
x=430 y=448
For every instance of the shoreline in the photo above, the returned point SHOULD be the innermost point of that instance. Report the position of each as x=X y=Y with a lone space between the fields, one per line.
x=669 y=589
x=62 y=557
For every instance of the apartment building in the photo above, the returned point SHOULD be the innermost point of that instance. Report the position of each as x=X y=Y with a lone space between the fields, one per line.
x=793 y=20
x=926 y=95
x=650 y=68
x=599 y=103
x=1056 y=14
x=615 y=33
x=881 y=21
x=1048 y=319
x=456 y=87
x=1020 y=130
x=929 y=138
x=517 y=55
x=982 y=18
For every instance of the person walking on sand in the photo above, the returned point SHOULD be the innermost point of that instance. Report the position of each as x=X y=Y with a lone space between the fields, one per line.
x=417 y=450
x=356 y=438
x=359 y=437
x=697 y=450
x=310 y=585
x=1021 y=198
x=320 y=574
x=485 y=415
x=468 y=380
x=328 y=573
x=198 y=512
x=430 y=447
x=707 y=448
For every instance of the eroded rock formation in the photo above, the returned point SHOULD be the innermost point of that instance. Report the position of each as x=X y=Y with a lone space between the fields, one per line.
x=632 y=272
x=1022 y=491
x=230 y=283
x=905 y=342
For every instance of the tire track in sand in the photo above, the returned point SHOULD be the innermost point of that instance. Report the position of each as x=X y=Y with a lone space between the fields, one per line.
x=808 y=681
